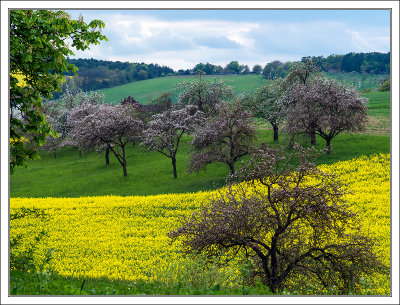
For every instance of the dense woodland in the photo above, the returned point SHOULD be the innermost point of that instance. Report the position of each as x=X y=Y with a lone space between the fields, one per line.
x=99 y=74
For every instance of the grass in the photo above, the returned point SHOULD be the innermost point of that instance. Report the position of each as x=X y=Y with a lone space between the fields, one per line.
x=150 y=173
x=147 y=90
x=48 y=283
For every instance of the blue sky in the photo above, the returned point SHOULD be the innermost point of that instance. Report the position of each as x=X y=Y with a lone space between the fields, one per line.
x=182 y=38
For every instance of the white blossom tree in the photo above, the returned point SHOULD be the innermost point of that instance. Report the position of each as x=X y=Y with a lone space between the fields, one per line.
x=203 y=93
x=104 y=127
x=58 y=111
x=165 y=130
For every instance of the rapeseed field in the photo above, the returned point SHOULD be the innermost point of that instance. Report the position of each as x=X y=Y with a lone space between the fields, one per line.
x=124 y=238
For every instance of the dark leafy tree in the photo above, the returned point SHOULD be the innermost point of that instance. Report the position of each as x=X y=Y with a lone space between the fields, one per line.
x=164 y=131
x=225 y=137
x=268 y=104
x=291 y=221
x=39 y=45
x=257 y=69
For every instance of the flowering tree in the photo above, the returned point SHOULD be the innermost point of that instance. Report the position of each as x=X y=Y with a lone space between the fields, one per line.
x=226 y=137
x=301 y=73
x=103 y=127
x=291 y=221
x=203 y=93
x=325 y=107
x=165 y=130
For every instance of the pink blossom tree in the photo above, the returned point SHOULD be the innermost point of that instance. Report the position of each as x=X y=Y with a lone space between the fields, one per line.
x=104 y=127
x=225 y=137
x=326 y=107
x=165 y=130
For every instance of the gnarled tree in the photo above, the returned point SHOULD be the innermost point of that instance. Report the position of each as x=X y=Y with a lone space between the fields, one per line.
x=104 y=127
x=292 y=221
x=225 y=137
x=165 y=130
x=325 y=107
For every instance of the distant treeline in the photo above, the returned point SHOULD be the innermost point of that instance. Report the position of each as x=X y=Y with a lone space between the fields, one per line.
x=366 y=63
x=96 y=74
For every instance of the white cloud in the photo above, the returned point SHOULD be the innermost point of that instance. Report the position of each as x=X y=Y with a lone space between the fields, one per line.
x=183 y=43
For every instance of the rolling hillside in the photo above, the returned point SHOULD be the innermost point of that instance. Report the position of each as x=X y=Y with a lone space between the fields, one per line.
x=147 y=90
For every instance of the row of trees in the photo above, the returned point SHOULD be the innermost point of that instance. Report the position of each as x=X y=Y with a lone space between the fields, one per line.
x=98 y=74
x=366 y=63
x=221 y=123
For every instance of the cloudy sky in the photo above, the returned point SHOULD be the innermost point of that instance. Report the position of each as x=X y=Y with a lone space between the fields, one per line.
x=182 y=38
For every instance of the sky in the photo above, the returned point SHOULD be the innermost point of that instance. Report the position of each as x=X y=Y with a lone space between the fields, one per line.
x=182 y=38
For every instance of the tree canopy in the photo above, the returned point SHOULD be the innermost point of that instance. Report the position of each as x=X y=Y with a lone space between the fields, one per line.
x=40 y=42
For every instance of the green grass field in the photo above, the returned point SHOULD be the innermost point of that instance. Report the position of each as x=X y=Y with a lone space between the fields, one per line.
x=147 y=90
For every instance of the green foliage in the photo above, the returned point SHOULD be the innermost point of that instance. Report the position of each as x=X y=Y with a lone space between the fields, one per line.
x=38 y=51
x=23 y=256
x=385 y=86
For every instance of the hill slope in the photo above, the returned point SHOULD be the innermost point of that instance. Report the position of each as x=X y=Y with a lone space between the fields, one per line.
x=147 y=90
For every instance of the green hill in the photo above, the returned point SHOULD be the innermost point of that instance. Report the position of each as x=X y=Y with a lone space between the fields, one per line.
x=147 y=90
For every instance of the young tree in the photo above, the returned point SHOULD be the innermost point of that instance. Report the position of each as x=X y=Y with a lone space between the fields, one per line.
x=165 y=130
x=226 y=137
x=204 y=94
x=104 y=127
x=326 y=107
x=292 y=221
x=39 y=45
x=268 y=104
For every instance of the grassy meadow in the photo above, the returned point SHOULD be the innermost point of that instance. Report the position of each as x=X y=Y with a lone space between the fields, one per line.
x=147 y=90
x=105 y=234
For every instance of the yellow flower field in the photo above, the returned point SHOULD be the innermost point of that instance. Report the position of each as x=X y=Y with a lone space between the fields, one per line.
x=125 y=237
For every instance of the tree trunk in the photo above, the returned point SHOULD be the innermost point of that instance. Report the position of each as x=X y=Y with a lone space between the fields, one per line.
x=328 y=146
x=312 y=136
x=232 y=168
x=107 y=155
x=80 y=153
x=174 y=167
x=124 y=161
x=275 y=133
